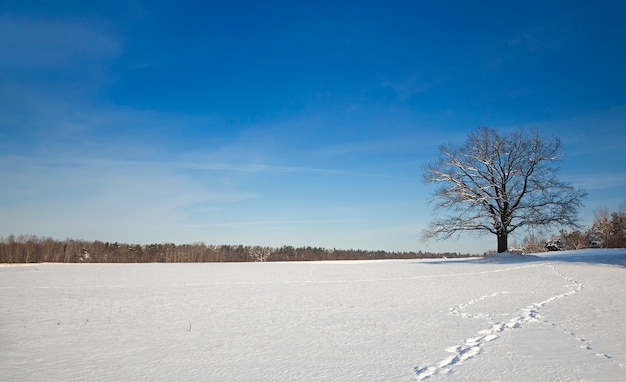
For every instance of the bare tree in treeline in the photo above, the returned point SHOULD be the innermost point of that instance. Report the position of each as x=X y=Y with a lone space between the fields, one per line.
x=497 y=183
x=32 y=249
x=608 y=230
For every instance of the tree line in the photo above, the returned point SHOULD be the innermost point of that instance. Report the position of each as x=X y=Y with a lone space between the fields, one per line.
x=608 y=230
x=34 y=249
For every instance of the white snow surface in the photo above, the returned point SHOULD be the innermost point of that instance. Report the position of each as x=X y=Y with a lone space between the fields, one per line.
x=545 y=317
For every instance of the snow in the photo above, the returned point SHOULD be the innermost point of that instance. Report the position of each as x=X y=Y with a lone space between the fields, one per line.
x=552 y=316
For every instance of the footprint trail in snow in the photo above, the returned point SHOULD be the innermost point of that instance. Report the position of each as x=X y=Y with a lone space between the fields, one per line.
x=473 y=346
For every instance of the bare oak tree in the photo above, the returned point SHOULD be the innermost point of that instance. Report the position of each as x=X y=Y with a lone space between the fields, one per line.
x=498 y=183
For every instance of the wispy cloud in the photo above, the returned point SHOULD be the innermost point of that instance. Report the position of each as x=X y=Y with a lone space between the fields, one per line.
x=272 y=223
x=599 y=180
x=532 y=39
x=408 y=87
x=592 y=133
x=52 y=44
x=95 y=163
x=111 y=201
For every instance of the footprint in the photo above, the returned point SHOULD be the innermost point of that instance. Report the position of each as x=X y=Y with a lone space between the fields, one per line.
x=474 y=341
x=425 y=372
x=449 y=361
x=490 y=337
x=469 y=352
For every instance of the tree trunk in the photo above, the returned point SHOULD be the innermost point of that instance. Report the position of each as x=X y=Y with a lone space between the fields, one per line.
x=503 y=242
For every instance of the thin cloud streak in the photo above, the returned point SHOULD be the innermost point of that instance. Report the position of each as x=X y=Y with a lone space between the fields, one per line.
x=219 y=167
x=599 y=181
x=225 y=167
x=270 y=223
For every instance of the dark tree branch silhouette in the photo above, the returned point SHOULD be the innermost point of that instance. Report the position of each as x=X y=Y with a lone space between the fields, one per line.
x=498 y=183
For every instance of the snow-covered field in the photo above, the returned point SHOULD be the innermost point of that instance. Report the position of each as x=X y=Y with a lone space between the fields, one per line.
x=551 y=317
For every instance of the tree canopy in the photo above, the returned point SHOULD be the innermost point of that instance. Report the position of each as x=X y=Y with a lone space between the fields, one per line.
x=496 y=183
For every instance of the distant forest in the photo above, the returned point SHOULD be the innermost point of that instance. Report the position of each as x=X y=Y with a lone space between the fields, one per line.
x=33 y=249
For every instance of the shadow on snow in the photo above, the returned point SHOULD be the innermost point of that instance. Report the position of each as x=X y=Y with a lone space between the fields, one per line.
x=615 y=256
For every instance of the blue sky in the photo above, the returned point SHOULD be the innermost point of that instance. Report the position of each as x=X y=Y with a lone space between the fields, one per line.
x=289 y=123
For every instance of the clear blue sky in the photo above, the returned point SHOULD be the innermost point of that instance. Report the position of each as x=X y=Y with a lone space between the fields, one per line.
x=289 y=123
